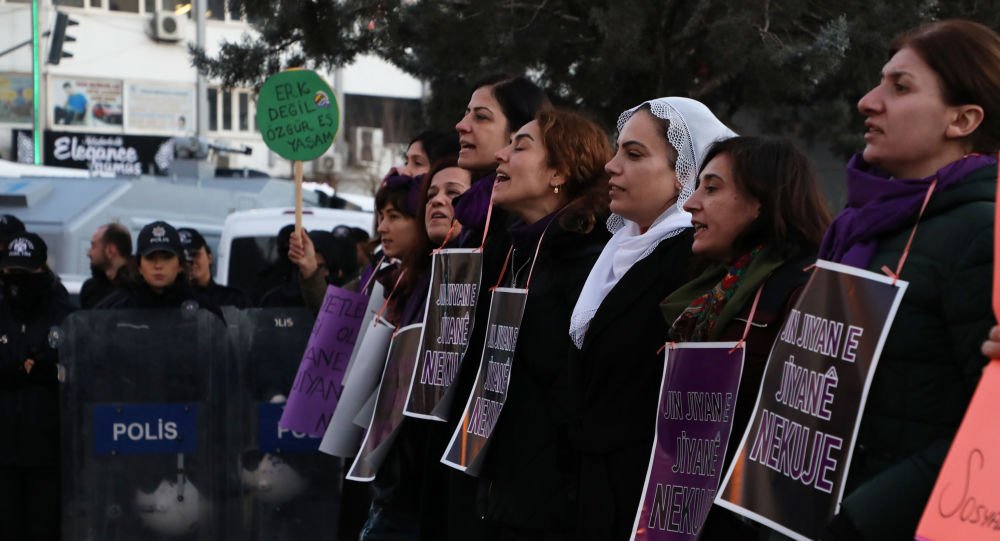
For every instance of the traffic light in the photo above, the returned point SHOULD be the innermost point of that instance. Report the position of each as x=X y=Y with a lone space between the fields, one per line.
x=59 y=37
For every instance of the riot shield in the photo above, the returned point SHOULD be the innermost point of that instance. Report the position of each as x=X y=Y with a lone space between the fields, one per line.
x=290 y=489
x=143 y=404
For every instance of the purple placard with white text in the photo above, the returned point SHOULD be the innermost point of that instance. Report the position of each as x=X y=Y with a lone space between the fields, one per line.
x=697 y=399
x=319 y=381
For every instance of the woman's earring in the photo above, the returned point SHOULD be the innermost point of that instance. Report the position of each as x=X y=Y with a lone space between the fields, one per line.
x=555 y=190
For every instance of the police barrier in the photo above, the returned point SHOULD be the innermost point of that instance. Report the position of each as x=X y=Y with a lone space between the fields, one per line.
x=170 y=428
x=290 y=489
x=141 y=422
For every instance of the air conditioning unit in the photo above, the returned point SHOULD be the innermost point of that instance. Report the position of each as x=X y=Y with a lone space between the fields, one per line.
x=167 y=26
x=325 y=164
x=367 y=145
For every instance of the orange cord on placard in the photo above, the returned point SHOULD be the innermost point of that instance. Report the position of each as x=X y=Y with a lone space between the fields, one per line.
x=746 y=330
x=446 y=237
x=504 y=269
x=465 y=430
x=672 y=345
x=389 y=296
x=374 y=272
x=489 y=214
x=534 y=258
x=909 y=242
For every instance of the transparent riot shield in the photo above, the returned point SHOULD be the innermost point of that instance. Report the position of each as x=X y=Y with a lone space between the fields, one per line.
x=144 y=406
x=289 y=489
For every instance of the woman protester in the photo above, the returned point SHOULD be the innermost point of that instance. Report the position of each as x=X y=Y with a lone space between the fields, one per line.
x=401 y=481
x=32 y=304
x=445 y=181
x=395 y=509
x=551 y=179
x=498 y=106
x=932 y=127
x=661 y=144
x=759 y=217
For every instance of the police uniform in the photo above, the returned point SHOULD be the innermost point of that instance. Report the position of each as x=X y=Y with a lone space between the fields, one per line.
x=31 y=307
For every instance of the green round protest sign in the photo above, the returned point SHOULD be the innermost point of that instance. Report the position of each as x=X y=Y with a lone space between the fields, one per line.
x=297 y=114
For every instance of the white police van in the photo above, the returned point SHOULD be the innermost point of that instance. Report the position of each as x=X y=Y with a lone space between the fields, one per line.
x=248 y=242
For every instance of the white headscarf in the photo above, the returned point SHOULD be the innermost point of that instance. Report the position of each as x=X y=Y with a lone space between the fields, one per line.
x=693 y=129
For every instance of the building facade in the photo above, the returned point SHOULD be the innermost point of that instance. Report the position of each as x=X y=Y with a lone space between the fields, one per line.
x=129 y=87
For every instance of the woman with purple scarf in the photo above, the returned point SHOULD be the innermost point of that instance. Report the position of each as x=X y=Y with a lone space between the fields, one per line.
x=920 y=204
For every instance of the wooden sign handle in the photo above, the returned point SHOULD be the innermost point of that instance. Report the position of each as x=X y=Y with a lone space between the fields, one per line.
x=298 y=198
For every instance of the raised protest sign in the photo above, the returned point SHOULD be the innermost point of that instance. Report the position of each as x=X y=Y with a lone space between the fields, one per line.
x=471 y=438
x=343 y=436
x=298 y=118
x=790 y=468
x=297 y=114
x=965 y=503
x=448 y=320
x=697 y=398
x=319 y=381
x=388 y=414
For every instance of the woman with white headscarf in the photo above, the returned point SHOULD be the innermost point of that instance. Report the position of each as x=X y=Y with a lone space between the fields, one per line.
x=616 y=324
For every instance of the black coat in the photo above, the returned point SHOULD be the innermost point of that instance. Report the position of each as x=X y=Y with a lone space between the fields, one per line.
x=616 y=380
x=29 y=402
x=457 y=518
x=220 y=295
x=528 y=480
x=140 y=296
x=98 y=287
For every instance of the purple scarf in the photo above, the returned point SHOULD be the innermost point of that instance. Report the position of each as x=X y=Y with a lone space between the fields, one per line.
x=877 y=204
x=471 y=208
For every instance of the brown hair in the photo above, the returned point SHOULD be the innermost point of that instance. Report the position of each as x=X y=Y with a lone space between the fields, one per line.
x=519 y=98
x=577 y=149
x=400 y=196
x=793 y=214
x=966 y=57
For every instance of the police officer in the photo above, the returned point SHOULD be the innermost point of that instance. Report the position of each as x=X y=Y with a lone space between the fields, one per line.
x=10 y=225
x=161 y=280
x=32 y=305
x=198 y=257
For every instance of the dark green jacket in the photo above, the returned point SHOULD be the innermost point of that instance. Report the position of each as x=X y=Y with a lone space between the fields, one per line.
x=930 y=364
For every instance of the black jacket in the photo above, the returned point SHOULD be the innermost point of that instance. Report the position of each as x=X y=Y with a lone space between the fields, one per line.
x=98 y=287
x=930 y=363
x=139 y=296
x=528 y=478
x=615 y=378
x=29 y=402
x=219 y=295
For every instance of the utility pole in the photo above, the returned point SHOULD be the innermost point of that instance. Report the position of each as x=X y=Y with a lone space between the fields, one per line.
x=202 y=85
x=37 y=88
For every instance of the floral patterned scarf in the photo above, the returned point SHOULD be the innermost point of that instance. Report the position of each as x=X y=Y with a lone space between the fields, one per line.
x=696 y=322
